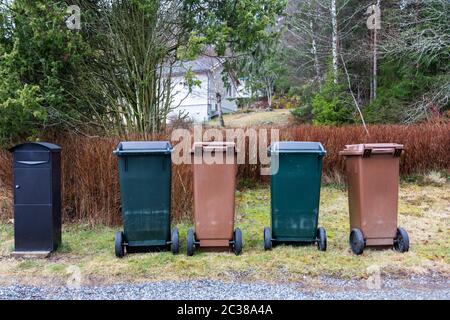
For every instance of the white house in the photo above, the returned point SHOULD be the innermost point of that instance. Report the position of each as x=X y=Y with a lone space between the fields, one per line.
x=201 y=104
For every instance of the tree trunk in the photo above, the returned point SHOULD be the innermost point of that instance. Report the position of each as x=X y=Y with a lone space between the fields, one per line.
x=334 y=40
x=219 y=109
x=314 y=51
x=269 y=92
x=375 y=56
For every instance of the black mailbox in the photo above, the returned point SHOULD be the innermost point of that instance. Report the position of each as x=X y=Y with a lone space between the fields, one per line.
x=37 y=197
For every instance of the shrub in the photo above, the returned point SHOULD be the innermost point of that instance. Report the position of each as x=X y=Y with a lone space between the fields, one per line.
x=332 y=104
x=90 y=186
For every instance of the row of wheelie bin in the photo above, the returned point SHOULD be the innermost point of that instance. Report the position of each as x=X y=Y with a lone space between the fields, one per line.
x=145 y=183
x=145 y=172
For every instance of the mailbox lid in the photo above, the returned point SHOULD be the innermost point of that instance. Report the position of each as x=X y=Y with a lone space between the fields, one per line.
x=36 y=146
x=34 y=154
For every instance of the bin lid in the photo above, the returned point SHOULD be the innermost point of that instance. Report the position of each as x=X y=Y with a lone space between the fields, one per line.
x=143 y=147
x=49 y=146
x=297 y=147
x=366 y=149
x=214 y=146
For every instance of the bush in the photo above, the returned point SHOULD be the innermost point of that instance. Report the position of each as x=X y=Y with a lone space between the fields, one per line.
x=303 y=114
x=332 y=105
x=39 y=58
x=19 y=110
x=90 y=185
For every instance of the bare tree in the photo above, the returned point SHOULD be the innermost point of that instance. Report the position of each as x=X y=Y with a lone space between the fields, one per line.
x=134 y=72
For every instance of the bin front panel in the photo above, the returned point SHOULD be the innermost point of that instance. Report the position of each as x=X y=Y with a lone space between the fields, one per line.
x=295 y=197
x=145 y=184
x=214 y=200
x=373 y=195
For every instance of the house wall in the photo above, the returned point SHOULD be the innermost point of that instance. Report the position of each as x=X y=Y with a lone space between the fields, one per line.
x=200 y=104
x=195 y=103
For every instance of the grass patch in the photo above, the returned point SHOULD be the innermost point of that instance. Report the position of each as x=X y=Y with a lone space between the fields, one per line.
x=423 y=211
x=255 y=118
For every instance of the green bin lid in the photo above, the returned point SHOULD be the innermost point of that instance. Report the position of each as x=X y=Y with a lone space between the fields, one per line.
x=297 y=147
x=143 y=147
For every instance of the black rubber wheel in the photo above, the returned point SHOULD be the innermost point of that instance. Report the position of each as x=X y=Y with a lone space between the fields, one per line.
x=267 y=239
x=357 y=242
x=175 y=241
x=401 y=241
x=190 y=243
x=119 y=246
x=321 y=239
x=237 y=241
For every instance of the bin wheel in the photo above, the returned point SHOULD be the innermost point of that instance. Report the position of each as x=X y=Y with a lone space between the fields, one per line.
x=357 y=243
x=190 y=243
x=267 y=239
x=119 y=246
x=401 y=241
x=237 y=241
x=175 y=241
x=321 y=239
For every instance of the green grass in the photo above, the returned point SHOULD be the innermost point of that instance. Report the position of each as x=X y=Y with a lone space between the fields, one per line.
x=423 y=212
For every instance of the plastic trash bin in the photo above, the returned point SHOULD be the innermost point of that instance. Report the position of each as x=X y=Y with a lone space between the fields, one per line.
x=295 y=194
x=145 y=170
x=372 y=174
x=214 y=192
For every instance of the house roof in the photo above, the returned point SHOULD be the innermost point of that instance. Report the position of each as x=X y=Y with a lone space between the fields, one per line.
x=202 y=64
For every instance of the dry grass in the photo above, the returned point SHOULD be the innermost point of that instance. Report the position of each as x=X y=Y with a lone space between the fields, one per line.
x=255 y=118
x=424 y=212
x=90 y=179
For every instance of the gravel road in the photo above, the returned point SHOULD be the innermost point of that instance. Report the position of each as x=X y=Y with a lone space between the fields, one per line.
x=317 y=288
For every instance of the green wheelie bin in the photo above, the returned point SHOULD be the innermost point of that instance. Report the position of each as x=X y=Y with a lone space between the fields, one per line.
x=145 y=173
x=296 y=170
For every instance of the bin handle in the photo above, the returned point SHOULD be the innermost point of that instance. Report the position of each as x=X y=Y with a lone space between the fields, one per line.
x=396 y=152
x=216 y=148
x=32 y=163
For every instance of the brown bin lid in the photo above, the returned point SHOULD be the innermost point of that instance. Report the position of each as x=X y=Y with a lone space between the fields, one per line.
x=214 y=146
x=366 y=149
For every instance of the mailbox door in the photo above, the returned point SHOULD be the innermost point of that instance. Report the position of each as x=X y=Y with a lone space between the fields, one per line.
x=32 y=186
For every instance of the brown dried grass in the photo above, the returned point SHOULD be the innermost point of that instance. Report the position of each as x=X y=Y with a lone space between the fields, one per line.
x=90 y=180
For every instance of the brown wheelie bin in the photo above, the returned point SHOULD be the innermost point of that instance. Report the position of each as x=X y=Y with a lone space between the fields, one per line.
x=372 y=175
x=214 y=169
